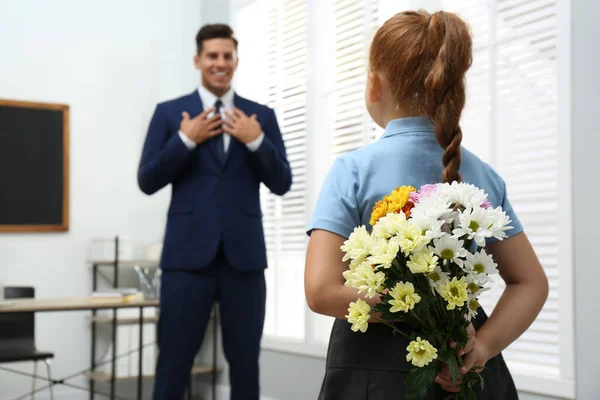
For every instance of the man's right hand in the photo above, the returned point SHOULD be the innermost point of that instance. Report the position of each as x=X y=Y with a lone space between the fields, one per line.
x=201 y=128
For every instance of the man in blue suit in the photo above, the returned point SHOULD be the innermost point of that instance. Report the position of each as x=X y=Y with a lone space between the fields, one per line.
x=214 y=148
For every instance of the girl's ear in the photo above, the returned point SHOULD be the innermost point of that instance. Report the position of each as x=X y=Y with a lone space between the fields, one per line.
x=374 y=87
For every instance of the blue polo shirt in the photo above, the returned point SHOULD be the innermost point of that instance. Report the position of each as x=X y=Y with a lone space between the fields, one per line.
x=406 y=154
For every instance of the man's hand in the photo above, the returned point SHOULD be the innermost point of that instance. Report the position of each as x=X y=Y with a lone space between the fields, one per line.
x=476 y=355
x=240 y=126
x=201 y=128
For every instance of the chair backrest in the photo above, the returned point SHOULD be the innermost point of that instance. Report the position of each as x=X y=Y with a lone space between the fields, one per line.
x=17 y=329
x=19 y=292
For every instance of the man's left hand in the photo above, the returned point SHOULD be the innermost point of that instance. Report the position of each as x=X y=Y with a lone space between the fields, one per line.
x=240 y=126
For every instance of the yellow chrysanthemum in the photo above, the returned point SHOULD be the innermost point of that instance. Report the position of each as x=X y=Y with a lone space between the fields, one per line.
x=359 y=314
x=455 y=293
x=404 y=296
x=422 y=262
x=379 y=211
x=395 y=202
x=420 y=352
x=398 y=198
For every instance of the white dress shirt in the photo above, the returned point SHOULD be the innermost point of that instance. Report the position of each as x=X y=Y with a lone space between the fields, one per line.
x=208 y=100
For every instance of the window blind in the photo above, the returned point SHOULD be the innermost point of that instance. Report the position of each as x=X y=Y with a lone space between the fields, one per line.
x=354 y=24
x=284 y=217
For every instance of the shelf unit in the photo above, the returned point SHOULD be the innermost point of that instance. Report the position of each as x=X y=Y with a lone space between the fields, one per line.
x=101 y=376
x=95 y=320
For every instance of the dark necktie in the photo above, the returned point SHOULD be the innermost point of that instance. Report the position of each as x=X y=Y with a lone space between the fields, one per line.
x=218 y=140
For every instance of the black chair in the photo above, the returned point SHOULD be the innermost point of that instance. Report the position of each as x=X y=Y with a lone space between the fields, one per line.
x=17 y=336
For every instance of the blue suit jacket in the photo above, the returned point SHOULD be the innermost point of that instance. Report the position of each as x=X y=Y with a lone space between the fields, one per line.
x=212 y=201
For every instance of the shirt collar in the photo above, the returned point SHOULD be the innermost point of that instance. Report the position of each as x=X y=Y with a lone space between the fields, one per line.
x=408 y=125
x=209 y=99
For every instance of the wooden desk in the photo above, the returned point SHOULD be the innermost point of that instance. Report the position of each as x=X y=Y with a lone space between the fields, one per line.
x=70 y=304
x=86 y=303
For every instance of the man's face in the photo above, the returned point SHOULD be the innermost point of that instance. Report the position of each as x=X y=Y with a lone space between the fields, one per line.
x=217 y=62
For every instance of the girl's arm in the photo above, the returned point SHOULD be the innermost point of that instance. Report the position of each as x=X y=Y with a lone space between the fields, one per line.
x=323 y=281
x=525 y=294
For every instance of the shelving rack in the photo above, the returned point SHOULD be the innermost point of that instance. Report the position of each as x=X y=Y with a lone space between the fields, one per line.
x=101 y=376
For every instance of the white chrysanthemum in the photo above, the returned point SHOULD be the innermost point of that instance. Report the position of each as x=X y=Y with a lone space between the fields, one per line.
x=388 y=226
x=422 y=262
x=438 y=278
x=365 y=279
x=473 y=305
x=411 y=239
x=450 y=248
x=463 y=194
x=474 y=222
x=430 y=213
x=500 y=223
x=357 y=246
x=479 y=266
x=383 y=252
x=474 y=287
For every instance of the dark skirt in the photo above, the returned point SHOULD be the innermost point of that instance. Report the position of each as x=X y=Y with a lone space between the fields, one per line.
x=373 y=366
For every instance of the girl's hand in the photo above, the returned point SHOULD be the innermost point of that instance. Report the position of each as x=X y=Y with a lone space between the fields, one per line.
x=477 y=355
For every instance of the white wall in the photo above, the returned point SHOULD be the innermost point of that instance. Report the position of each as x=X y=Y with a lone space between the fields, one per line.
x=586 y=191
x=111 y=61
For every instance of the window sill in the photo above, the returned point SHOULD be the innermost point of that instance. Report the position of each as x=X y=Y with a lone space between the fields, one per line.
x=291 y=346
x=528 y=380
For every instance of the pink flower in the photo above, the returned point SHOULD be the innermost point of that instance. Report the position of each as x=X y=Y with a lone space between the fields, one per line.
x=424 y=191
x=414 y=197
x=486 y=204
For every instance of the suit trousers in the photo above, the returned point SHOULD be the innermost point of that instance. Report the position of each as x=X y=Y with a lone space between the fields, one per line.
x=186 y=301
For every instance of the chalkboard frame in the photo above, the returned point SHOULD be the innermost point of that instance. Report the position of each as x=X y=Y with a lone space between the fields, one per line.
x=64 y=225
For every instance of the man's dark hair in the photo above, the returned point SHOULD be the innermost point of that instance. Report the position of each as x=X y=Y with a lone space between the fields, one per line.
x=214 y=31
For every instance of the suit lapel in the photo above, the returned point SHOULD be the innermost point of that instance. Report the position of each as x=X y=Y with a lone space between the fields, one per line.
x=194 y=104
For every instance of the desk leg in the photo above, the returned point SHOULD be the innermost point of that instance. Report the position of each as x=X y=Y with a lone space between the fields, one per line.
x=140 y=354
x=114 y=355
x=215 y=339
x=93 y=327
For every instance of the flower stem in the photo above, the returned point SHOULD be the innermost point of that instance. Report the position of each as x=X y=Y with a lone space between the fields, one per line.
x=423 y=324
x=393 y=327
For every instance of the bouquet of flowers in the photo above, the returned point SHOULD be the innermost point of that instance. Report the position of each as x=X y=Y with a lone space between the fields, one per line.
x=425 y=259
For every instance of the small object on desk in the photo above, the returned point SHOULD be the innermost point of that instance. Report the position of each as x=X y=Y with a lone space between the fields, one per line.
x=148 y=289
x=125 y=294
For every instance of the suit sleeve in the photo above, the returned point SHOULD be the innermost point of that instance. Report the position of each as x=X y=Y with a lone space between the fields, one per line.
x=163 y=155
x=270 y=161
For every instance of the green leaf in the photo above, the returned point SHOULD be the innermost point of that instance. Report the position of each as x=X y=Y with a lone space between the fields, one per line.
x=453 y=367
x=418 y=381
